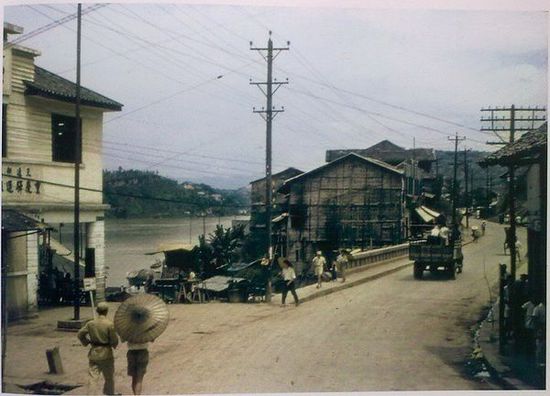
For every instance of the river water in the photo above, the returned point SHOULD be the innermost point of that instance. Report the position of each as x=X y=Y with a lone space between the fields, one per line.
x=127 y=240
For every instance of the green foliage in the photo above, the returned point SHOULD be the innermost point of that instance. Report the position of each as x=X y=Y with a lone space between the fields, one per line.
x=220 y=248
x=165 y=197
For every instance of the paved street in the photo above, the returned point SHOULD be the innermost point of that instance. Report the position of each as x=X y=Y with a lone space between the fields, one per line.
x=394 y=333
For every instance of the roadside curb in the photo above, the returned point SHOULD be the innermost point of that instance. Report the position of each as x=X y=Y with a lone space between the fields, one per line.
x=495 y=365
x=355 y=283
x=342 y=286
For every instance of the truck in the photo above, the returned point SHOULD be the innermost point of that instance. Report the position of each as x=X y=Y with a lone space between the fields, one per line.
x=434 y=255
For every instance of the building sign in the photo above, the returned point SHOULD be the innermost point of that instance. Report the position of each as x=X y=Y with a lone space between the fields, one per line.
x=19 y=180
x=89 y=284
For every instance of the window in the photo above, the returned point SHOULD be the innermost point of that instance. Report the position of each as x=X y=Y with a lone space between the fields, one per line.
x=63 y=138
x=4 y=131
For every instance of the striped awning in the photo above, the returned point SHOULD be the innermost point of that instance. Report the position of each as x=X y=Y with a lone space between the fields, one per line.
x=426 y=214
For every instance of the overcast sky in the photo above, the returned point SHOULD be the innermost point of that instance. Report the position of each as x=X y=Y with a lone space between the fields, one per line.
x=356 y=76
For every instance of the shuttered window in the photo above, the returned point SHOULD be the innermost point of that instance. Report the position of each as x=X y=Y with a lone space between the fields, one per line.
x=64 y=138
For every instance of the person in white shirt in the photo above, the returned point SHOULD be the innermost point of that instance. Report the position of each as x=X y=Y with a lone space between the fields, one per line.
x=435 y=231
x=444 y=233
x=319 y=263
x=289 y=277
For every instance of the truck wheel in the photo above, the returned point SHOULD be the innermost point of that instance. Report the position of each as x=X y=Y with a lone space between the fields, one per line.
x=418 y=270
x=451 y=270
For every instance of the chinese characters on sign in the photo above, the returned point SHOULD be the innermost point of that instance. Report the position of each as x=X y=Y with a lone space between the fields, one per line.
x=22 y=183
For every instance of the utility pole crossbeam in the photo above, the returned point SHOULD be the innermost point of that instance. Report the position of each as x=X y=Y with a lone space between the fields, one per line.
x=511 y=120
x=268 y=114
x=456 y=139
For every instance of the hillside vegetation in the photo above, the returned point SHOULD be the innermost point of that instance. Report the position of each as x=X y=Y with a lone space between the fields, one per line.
x=136 y=193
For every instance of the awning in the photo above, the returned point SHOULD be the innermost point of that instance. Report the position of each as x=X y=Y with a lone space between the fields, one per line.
x=218 y=283
x=170 y=247
x=60 y=250
x=280 y=218
x=235 y=267
x=426 y=214
x=13 y=221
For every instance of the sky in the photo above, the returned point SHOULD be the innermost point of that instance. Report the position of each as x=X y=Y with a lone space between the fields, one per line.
x=356 y=76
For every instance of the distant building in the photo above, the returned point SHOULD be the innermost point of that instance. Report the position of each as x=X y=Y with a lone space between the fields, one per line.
x=38 y=156
x=352 y=201
x=416 y=163
x=258 y=197
x=258 y=212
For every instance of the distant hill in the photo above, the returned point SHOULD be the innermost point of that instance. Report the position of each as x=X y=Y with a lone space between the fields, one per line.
x=136 y=193
x=445 y=162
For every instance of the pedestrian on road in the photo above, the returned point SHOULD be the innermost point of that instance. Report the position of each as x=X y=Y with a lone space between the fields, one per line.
x=138 y=358
x=341 y=264
x=100 y=334
x=483 y=226
x=319 y=266
x=289 y=277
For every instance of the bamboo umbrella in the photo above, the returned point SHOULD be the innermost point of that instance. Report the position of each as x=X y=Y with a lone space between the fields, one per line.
x=141 y=318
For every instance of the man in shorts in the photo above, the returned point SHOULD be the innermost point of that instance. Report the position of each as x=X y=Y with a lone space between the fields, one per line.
x=138 y=358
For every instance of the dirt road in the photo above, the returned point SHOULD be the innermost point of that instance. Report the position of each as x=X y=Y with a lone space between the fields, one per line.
x=394 y=333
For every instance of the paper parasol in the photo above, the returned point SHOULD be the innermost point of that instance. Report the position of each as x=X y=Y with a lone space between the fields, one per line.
x=141 y=318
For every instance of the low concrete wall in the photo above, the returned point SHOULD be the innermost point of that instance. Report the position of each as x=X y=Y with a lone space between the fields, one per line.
x=370 y=257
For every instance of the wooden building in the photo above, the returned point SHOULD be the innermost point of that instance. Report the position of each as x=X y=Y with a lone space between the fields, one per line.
x=529 y=153
x=352 y=201
x=417 y=163
x=38 y=156
x=258 y=209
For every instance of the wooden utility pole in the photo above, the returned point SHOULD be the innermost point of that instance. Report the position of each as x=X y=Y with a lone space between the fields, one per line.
x=466 y=200
x=268 y=114
x=456 y=139
x=503 y=124
x=77 y=161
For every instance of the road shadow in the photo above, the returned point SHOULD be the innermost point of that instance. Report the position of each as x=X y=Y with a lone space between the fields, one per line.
x=456 y=357
x=428 y=276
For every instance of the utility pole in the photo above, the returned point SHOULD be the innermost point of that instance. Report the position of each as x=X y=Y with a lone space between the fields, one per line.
x=487 y=188
x=504 y=124
x=77 y=161
x=466 y=201
x=456 y=139
x=268 y=114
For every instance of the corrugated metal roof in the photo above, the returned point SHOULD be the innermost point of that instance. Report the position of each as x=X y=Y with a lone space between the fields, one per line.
x=50 y=85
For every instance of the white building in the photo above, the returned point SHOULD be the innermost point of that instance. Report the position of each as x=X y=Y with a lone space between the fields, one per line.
x=38 y=140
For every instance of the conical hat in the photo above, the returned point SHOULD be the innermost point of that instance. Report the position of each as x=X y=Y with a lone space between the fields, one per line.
x=141 y=318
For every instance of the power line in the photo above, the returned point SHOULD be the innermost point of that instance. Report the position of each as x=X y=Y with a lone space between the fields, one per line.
x=52 y=25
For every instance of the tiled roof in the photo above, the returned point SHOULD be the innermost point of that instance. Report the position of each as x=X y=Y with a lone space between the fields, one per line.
x=530 y=145
x=50 y=85
x=286 y=174
x=385 y=151
x=13 y=220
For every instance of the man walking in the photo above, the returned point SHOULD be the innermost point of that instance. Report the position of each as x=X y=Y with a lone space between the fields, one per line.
x=319 y=266
x=341 y=264
x=138 y=358
x=100 y=334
